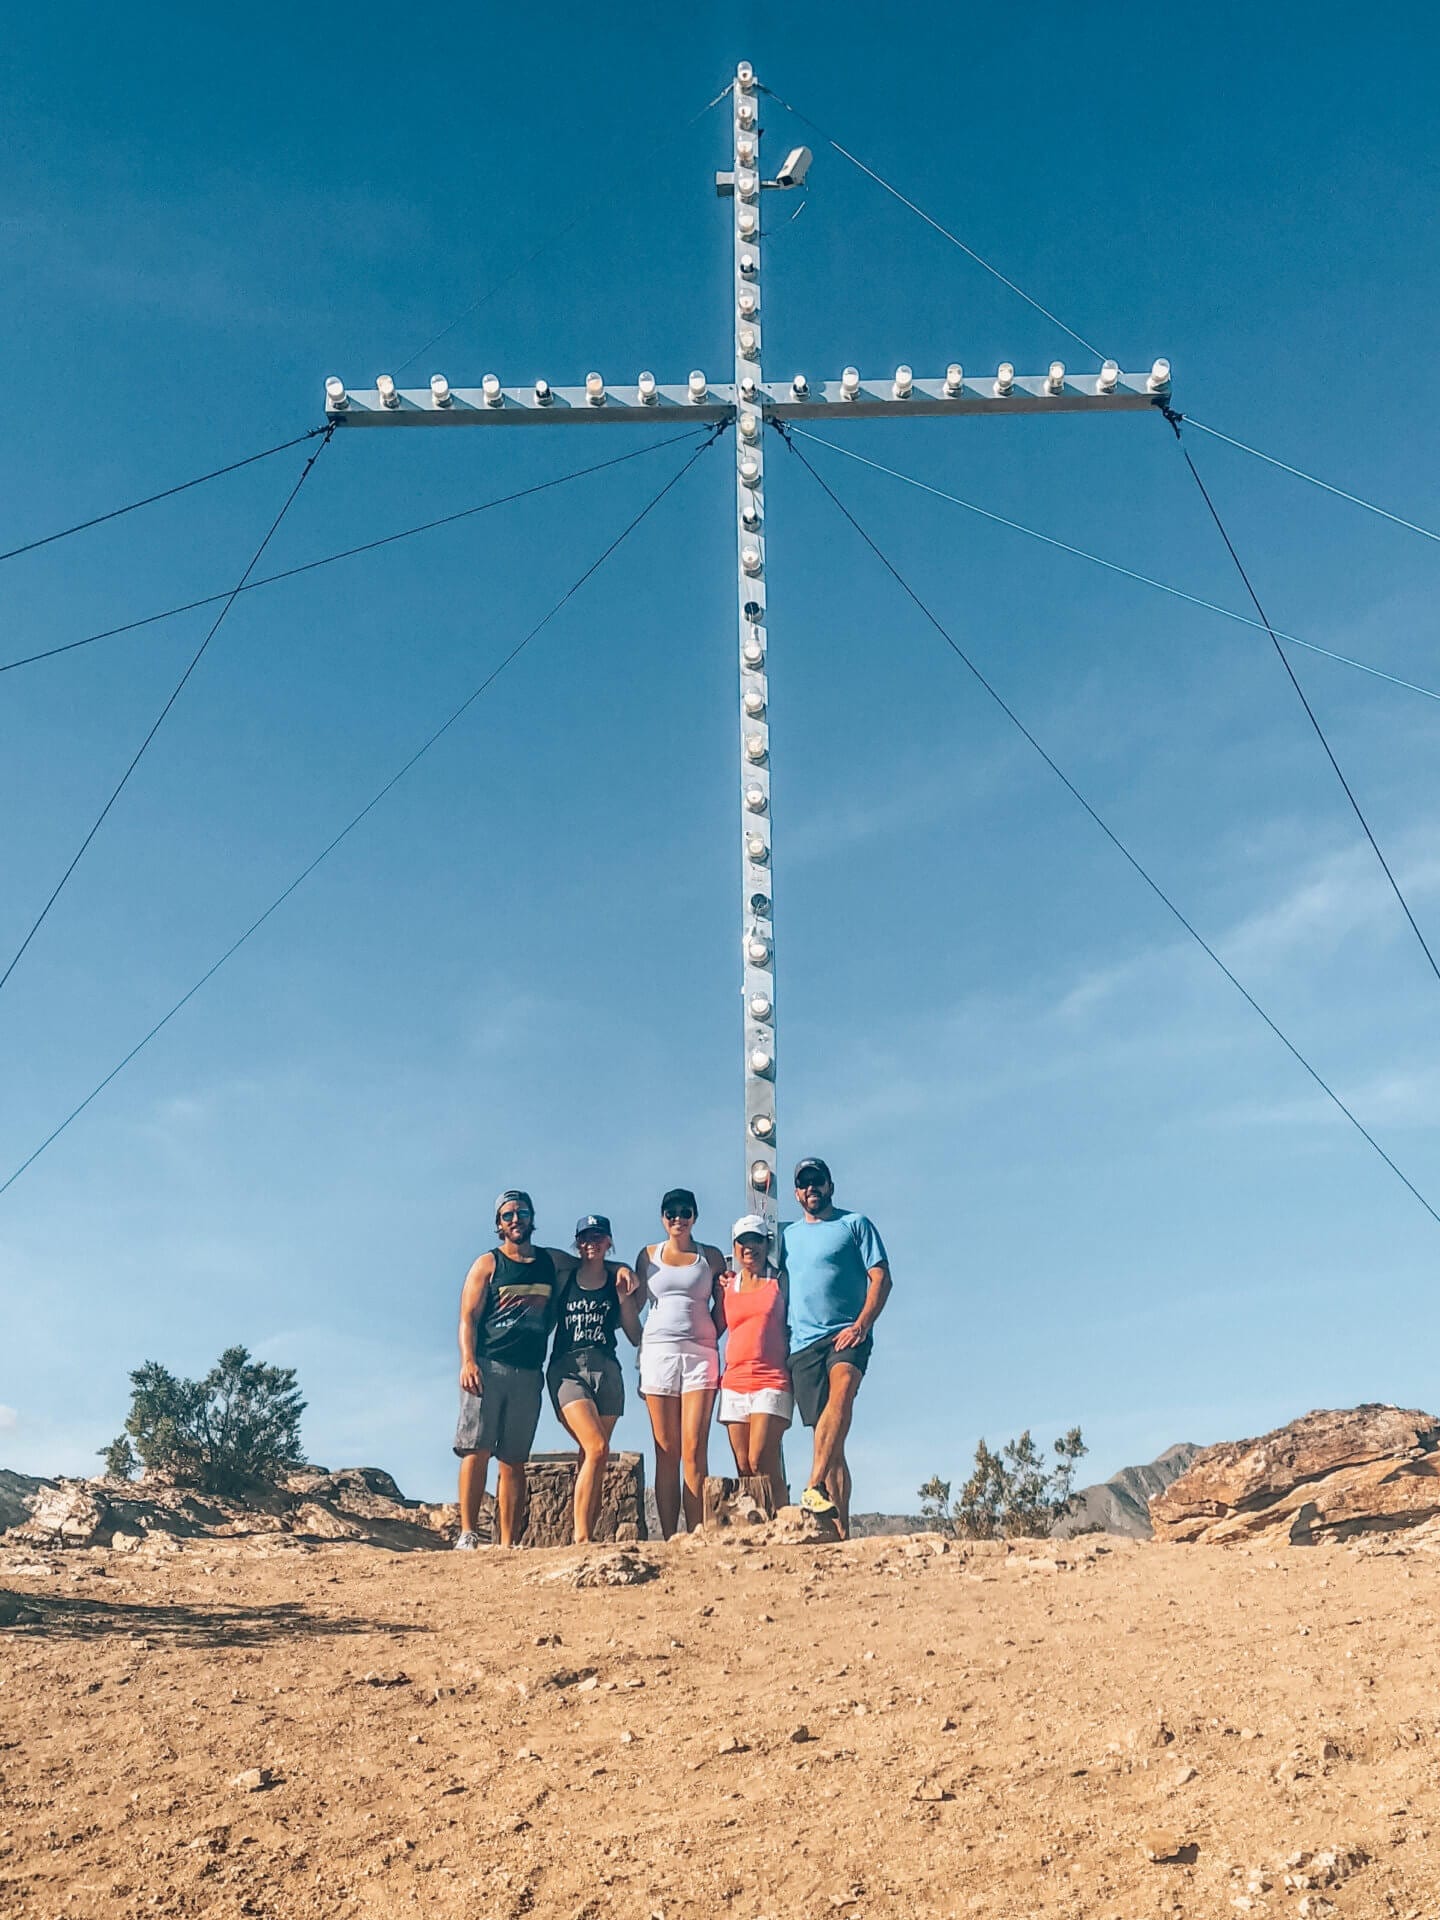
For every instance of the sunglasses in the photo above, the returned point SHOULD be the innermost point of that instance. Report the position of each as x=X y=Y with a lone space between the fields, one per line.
x=812 y=1183
x=680 y=1213
x=512 y=1214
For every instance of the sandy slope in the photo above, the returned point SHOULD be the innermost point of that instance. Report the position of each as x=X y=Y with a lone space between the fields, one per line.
x=765 y=1729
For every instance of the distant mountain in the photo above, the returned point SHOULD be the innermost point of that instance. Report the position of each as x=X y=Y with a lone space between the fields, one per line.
x=865 y=1526
x=1122 y=1505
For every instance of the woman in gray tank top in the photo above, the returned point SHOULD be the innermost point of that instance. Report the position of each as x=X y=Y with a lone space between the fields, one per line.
x=587 y=1388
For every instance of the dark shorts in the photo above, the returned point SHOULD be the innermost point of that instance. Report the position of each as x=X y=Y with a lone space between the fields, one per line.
x=591 y=1374
x=810 y=1372
x=501 y=1418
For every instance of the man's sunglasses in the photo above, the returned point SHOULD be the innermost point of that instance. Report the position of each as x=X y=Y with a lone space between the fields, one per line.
x=679 y=1213
x=812 y=1183
x=512 y=1214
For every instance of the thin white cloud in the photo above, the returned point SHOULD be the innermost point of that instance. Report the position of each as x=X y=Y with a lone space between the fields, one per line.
x=9 y=1419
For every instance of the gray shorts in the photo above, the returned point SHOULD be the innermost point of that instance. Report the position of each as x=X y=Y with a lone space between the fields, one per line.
x=501 y=1418
x=587 y=1374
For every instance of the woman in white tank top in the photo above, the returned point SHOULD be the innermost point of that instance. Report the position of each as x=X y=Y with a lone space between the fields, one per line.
x=680 y=1356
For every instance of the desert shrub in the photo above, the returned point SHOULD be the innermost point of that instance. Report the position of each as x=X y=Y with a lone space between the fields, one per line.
x=241 y=1423
x=1012 y=1494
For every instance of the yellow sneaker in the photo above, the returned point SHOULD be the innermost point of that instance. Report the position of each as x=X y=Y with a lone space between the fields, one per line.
x=815 y=1500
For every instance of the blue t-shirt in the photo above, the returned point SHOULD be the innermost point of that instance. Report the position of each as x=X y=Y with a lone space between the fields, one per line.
x=828 y=1263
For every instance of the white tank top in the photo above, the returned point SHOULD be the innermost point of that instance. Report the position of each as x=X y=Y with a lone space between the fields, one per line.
x=679 y=1303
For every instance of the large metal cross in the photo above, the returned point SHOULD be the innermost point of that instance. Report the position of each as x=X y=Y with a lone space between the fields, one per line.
x=748 y=404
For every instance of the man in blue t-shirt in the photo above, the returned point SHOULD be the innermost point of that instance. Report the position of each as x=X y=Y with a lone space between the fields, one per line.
x=839 y=1279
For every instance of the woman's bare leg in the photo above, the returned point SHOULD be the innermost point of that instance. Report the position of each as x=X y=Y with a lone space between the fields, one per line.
x=739 y=1432
x=665 y=1424
x=593 y=1434
x=695 y=1411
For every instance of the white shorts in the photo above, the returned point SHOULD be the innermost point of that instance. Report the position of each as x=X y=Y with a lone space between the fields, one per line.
x=678 y=1367
x=740 y=1406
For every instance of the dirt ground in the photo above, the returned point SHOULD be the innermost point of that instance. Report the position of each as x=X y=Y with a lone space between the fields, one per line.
x=758 y=1729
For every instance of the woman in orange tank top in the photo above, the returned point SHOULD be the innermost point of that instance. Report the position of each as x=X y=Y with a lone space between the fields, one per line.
x=756 y=1403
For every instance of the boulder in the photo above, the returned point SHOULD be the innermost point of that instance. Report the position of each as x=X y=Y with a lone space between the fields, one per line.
x=550 y=1500
x=1327 y=1476
x=68 y=1513
x=16 y=1490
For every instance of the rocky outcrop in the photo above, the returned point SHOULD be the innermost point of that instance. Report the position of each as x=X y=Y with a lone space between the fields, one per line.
x=1122 y=1504
x=362 y=1504
x=1327 y=1476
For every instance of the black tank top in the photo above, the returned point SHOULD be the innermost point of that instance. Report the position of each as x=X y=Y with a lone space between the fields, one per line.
x=515 y=1321
x=587 y=1316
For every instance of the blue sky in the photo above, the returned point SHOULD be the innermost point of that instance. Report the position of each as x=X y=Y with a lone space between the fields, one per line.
x=1109 y=1195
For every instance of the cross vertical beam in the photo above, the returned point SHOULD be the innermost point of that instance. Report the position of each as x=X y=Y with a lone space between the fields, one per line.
x=757 y=924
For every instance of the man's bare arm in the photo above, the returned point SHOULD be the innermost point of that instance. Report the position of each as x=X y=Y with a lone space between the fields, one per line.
x=876 y=1294
x=472 y=1299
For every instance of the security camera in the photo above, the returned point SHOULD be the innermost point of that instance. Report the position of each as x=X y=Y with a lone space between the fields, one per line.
x=797 y=165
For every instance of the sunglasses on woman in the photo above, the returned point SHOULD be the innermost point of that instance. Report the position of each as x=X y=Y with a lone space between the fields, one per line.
x=679 y=1213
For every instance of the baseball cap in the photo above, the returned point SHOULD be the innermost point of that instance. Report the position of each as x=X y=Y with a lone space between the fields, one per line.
x=811 y=1165
x=751 y=1223
x=678 y=1197
x=514 y=1196
x=591 y=1223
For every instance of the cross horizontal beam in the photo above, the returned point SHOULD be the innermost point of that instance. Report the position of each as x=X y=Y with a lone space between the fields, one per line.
x=828 y=399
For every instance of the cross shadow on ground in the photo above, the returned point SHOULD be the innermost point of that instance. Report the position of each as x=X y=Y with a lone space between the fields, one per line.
x=180 y=1624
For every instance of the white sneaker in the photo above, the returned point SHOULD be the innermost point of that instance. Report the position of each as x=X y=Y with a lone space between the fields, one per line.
x=468 y=1542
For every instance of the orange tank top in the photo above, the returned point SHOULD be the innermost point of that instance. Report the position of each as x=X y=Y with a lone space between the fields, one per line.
x=757 y=1344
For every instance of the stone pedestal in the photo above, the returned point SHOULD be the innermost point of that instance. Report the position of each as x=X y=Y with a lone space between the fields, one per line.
x=747 y=1501
x=550 y=1500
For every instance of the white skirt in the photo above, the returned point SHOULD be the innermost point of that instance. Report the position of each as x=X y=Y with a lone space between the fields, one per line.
x=679 y=1366
x=740 y=1406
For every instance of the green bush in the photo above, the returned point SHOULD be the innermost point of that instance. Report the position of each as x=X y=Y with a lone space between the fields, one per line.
x=240 y=1424
x=1010 y=1495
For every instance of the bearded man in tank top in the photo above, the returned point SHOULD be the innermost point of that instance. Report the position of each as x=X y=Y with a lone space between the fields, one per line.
x=506 y=1312
x=839 y=1280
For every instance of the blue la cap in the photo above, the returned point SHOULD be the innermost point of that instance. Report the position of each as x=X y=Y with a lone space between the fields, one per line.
x=591 y=1223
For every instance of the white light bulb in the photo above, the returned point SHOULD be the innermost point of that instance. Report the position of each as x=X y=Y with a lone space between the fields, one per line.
x=748 y=263
x=385 y=387
x=747 y=339
x=750 y=426
x=762 y=1126
x=594 y=389
x=745 y=76
x=750 y=559
x=755 y=799
x=757 y=951
x=904 y=382
x=698 y=388
x=1055 y=378
x=543 y=395
x=1004 y=378
x=747 y=184
x=490 y=387
x=746 y=221
x=761 y=1060
x=800 y=386
x=850 y=382
x=753 y=651
x=745 y=111
x=750 y=470
x=748 y=388
x=1158 y=380
x=1109 y=377
x=336 y=398
x=756 y=850
x=745 y=150
x=755 y=746
x=439 y=390
x=954 y=378
x=750 y=515
x=645 y=387
x=754 y=702
x=748 y=301
x=760 y=1007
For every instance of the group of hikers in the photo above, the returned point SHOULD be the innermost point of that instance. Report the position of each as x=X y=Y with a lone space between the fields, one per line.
x=796 y=1313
